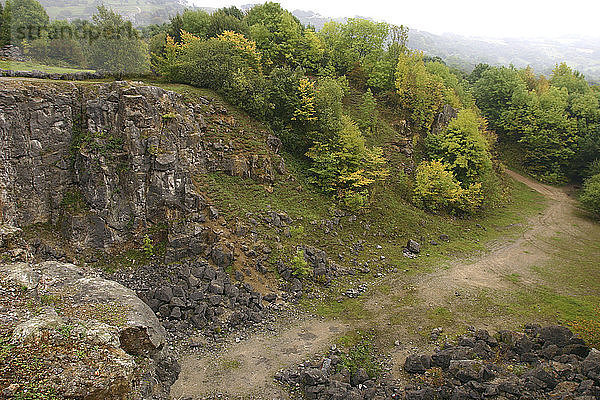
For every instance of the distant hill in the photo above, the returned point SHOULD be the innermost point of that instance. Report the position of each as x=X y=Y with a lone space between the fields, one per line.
x=462 y=52
x=140 y=12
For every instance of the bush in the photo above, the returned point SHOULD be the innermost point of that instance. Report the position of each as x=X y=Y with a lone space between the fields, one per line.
x=300 y=267
x=590 y=196
x=462 y=147
x=229 y=64
x=368 y=111
x=436 y=189
x=345 y=167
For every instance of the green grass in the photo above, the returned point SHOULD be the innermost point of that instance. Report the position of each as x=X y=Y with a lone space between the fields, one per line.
x=34 y=66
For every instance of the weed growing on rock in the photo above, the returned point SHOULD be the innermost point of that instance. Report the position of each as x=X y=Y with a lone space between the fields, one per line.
x=300 y=265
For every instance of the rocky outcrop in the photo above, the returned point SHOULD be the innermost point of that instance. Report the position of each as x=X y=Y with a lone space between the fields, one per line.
x=68 y=76
x=443 y=119
x=104 y=161
x=12 y=53
x=86 y=337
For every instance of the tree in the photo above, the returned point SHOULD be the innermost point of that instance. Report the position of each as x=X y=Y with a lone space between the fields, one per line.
x=28 y=19
x=58 y=45
x=229 y=64
x=419 y=91
x=118 y=49
x=436 y=189
x=291 y=105
x=590 y=196
x=368 y=111
x=462 y=148
x=477 y=72
x=196 y=22
x=176 y=29
x=565 y=77
x=3 y=26
x=278 y=34
x=550 y=143
x=225 y=19
x=345 y=168
x=329 y=108
x=358 y=41
x=493 y=93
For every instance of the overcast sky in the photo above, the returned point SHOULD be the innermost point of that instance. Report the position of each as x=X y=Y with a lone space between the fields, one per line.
x=497 y=18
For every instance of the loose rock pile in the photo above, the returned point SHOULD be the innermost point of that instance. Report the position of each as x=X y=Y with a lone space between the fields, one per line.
x=322 y=269
x=326 y=378
x=539 y=363
x=195 y=295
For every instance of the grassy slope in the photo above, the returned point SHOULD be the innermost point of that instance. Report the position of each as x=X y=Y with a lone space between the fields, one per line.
x=389 y=223
x=34 y=66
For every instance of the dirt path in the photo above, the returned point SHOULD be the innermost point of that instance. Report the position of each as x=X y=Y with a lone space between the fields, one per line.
x=245 y=370
x=510 y=256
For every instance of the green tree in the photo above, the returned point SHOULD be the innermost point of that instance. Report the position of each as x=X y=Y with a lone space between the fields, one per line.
x=590 y=195
x=288 y=92
x=344 y=167
x=118 y=49
x=329 y=108
x=196 y=22
x=277 y=33
x=3 y=26
x=368 y=111
x=225 y=19
x=493 y=93
x=437 y=190
x=419 y=91
x=357 y=41
x=229 y=64
x=176 y=28
x=477 y=72
x=58 y=45
x=462 y=148
x=564 y=76
x=550 y=143
x=28 y=19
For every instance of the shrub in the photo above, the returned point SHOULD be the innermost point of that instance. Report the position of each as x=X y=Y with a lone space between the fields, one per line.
x=590 y=196
x=345 y=167
x=368 y=111
x=436 y=189
x=228 y=63
x=300 y=267
x=462 y=147
x=148 y=246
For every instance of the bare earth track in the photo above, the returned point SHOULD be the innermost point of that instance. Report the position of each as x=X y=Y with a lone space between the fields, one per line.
x=245 y=370
x=509 y=257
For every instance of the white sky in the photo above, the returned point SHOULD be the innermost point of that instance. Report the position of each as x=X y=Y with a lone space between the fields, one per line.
x=496 y=18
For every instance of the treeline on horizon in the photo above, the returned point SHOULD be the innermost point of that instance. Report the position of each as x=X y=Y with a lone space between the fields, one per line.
x=295 y=79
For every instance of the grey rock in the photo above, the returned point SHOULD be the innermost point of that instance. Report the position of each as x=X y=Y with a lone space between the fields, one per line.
x=413 y=246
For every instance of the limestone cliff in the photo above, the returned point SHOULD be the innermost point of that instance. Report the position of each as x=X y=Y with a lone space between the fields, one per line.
x=103 y=161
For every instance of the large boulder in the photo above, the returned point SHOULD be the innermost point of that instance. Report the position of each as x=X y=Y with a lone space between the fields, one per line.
x=119 y=344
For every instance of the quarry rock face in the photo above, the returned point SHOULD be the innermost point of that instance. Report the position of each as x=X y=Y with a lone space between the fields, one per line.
x=105 y=342
x=102 y=161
